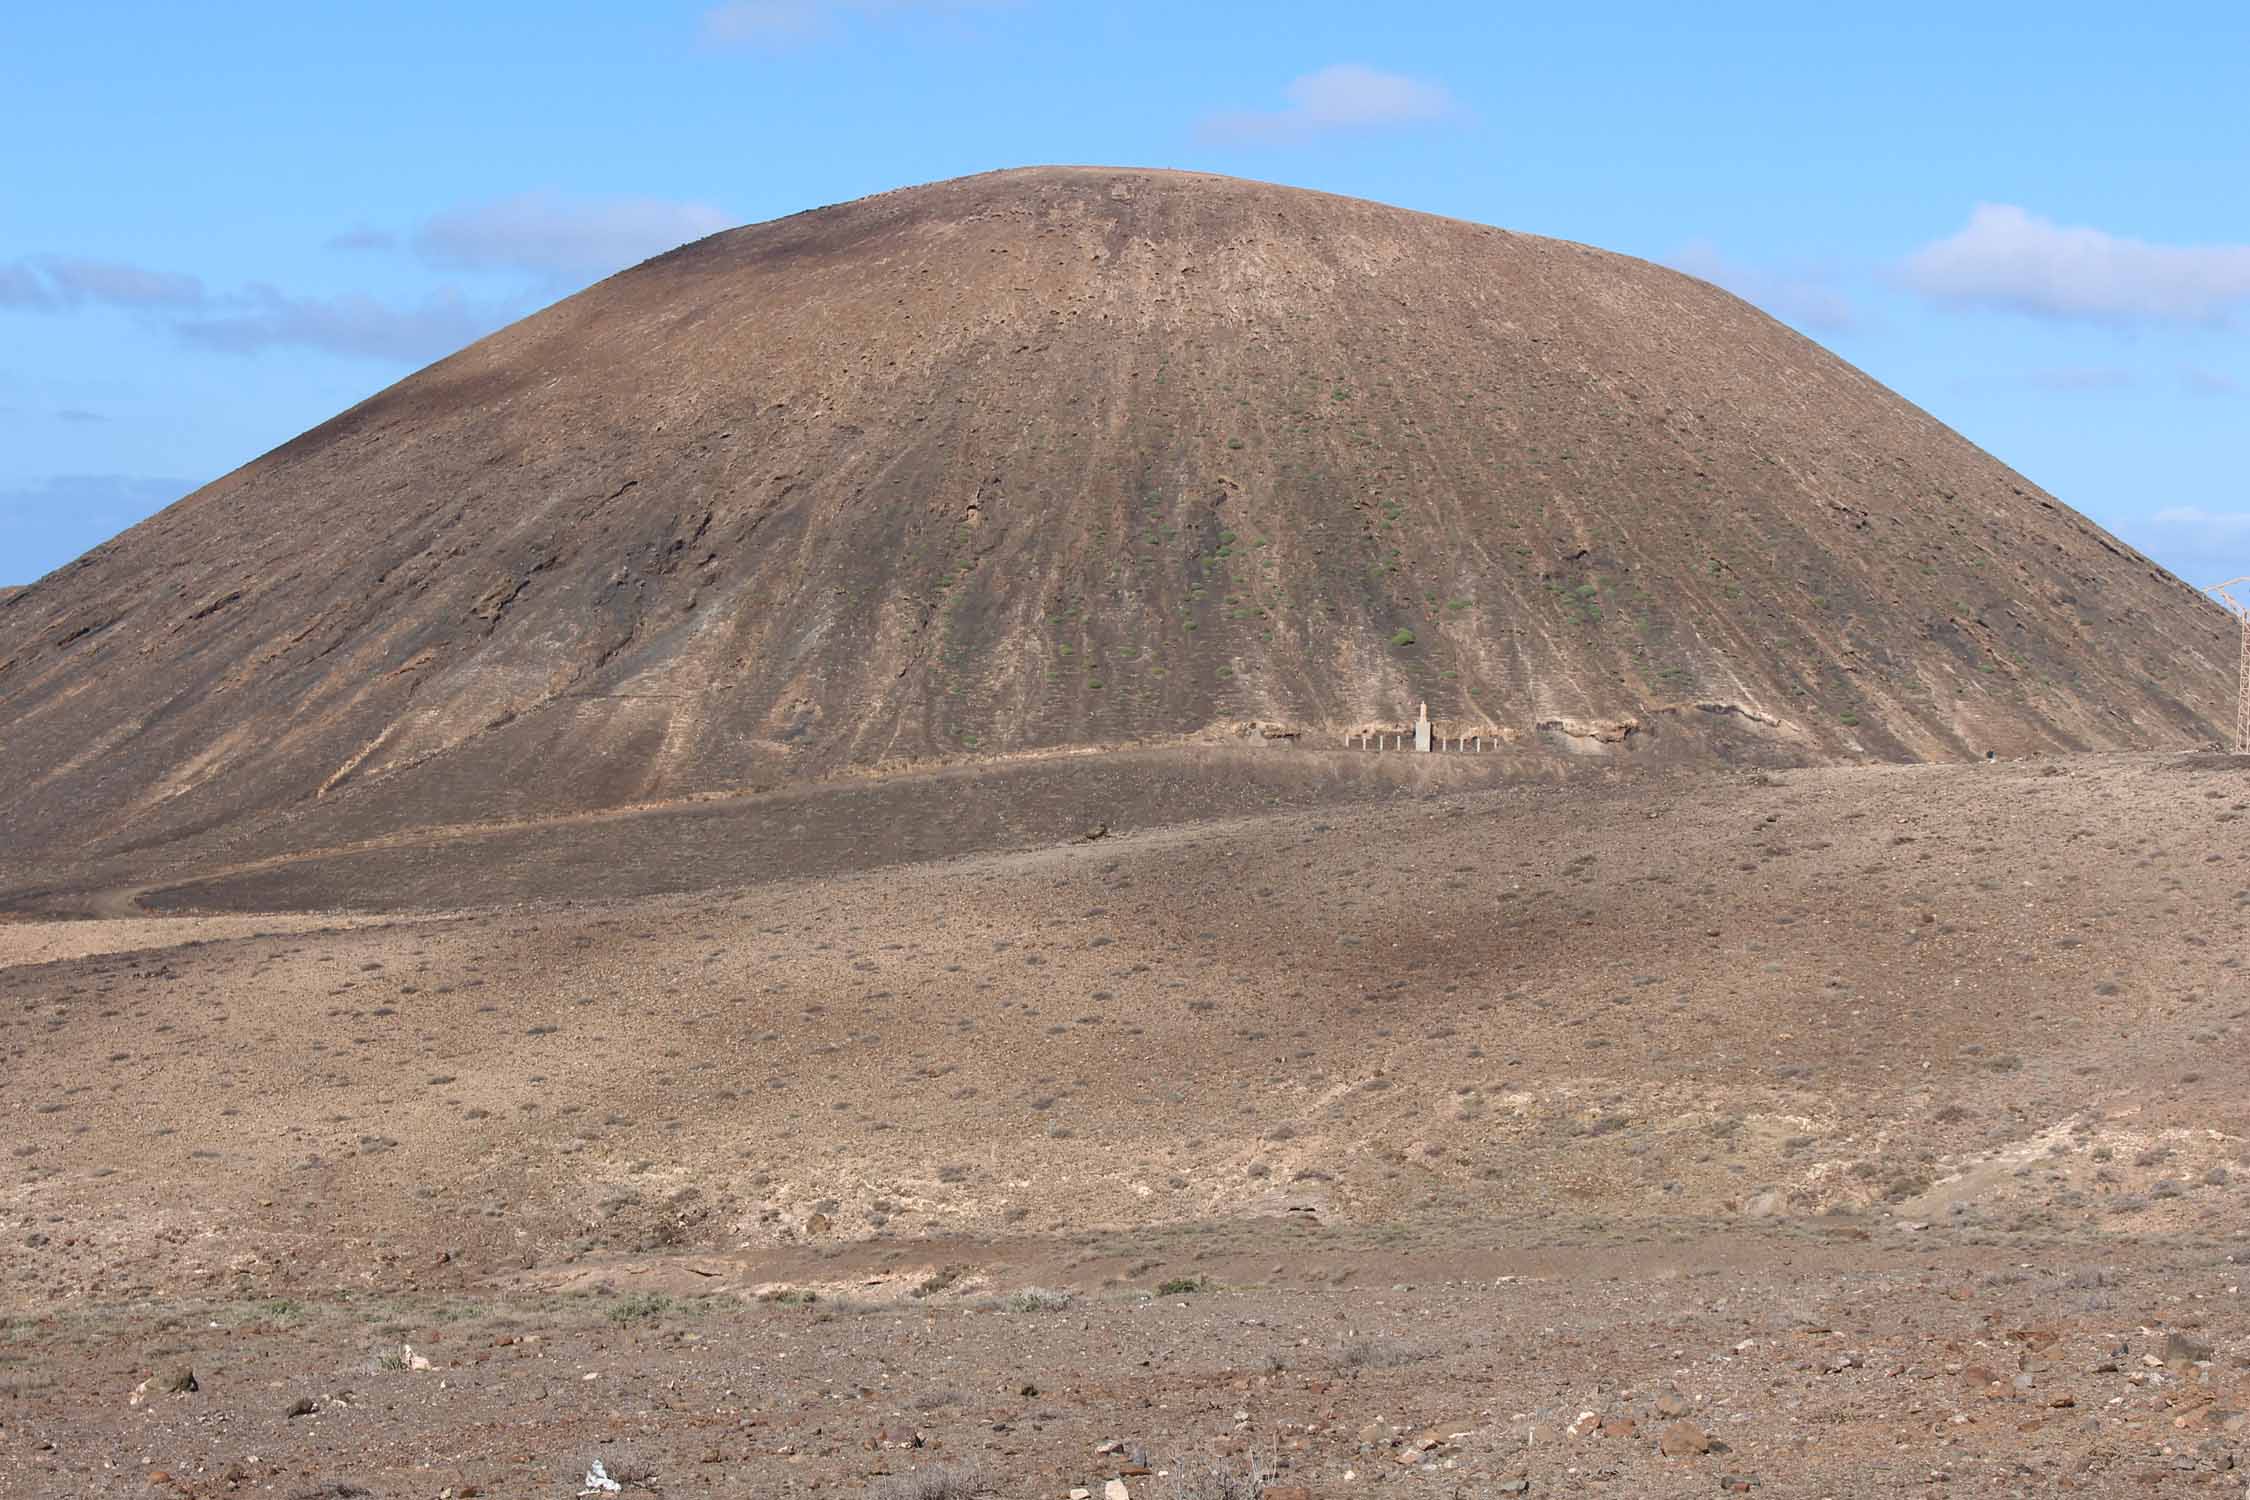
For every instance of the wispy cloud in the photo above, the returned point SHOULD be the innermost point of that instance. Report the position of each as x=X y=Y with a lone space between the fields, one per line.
x=2008 y=258
x=1803 y=296
x=1340 y=97
x=116 y=284
x=2069 y=379
x=553 y=236
x=358 y=326
x=21 y=286
x=51 y=282
x=2054 y=380
x=364 y=237
x=79 y=415
x=776 y=25
x=257 y=317
x=2231 y=523
x=555 y=240
x=2210 y=383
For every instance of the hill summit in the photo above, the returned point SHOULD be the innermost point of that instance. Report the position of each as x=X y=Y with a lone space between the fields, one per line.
x=1078 y=457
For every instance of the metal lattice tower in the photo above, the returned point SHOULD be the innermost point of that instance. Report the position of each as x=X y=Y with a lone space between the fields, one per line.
x=2241 y=612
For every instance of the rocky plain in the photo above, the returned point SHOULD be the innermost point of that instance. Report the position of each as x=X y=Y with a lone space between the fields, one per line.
x=1396 y=1128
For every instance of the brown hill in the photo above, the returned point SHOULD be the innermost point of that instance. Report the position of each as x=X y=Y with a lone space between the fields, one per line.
x=1068 y=457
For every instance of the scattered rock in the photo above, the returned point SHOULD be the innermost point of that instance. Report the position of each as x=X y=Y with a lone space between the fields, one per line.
x=1683 y=1440
x=2185 y=1349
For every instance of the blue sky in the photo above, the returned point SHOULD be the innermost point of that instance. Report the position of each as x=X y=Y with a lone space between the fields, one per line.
x=222 y=224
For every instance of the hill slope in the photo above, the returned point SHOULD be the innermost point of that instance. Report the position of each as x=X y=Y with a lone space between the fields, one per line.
x=1076 y=456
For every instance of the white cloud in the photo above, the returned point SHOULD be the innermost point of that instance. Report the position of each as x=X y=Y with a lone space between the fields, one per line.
x=1803 y=297
x=1342 y=96
x=779 y=24
x=358 y=326
x=2008 y=258
x=554 y=236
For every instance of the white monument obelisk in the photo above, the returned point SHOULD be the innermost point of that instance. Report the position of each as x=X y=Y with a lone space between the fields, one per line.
x=1422 y=727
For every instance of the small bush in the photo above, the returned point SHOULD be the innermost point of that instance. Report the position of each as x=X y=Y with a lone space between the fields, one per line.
x=1032 y=1299
x=943 y=1482
x=1379 y=1354
x=630 y=1469
x=1403 y=638
x=1181 y=1286
x=642 y=1307
x=1211 y=1480
x=940 y=1279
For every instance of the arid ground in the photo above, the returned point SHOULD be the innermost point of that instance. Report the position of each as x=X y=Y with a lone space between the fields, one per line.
x=1342 y=1125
